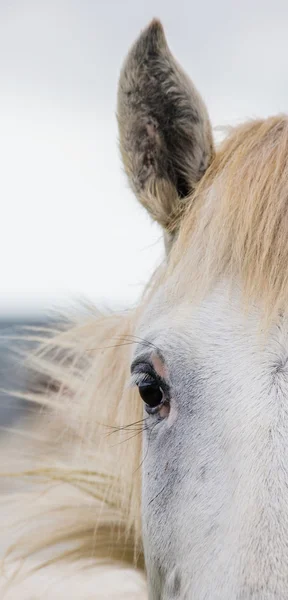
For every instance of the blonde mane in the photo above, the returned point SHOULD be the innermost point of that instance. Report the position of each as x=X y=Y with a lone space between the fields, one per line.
x=236 y=223
x=84 y=451
x=81 y=457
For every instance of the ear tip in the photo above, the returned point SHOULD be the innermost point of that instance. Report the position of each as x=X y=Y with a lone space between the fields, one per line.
x=155 y=27
x=155 y=30
x=152 y=37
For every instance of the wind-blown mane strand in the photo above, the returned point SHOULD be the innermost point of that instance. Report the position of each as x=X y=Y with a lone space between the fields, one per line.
x=88 y=492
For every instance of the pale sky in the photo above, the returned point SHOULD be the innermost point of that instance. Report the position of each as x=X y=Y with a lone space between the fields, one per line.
x=70 y=227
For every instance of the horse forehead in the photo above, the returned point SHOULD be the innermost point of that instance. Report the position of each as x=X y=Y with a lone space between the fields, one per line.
x=166 y=313
x=176 y=330
x=218 y=324
x=163 y=325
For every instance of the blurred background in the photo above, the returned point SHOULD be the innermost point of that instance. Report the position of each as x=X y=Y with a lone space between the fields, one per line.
x=70 y=227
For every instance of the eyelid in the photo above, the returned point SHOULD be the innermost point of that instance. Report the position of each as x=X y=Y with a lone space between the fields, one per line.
x=141 y=365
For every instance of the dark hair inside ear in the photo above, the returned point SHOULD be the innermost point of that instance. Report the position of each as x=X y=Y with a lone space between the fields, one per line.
x=182 y=186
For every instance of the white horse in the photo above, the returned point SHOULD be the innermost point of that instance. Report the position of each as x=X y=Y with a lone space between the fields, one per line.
x=208 y=353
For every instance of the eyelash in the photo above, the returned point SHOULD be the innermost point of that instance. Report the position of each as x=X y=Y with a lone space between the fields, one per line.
x=142 y=377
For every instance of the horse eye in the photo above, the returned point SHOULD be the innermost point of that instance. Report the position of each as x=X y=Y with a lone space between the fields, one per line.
x=151 y=393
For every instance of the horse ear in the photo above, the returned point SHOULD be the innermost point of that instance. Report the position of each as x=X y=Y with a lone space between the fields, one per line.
x=164 y=129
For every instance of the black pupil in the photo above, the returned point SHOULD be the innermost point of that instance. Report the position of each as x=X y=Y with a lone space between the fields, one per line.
x=151 y=393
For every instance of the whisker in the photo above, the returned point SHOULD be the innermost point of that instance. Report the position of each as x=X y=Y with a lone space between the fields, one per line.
x=149 y=429
x=159 y=493
x=142 y=340
x=107 y=347
x=116 y=428
x=128 y=340
x=127 y=439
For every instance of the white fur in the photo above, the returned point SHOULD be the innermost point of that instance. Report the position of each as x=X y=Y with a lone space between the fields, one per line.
x=215 y=480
